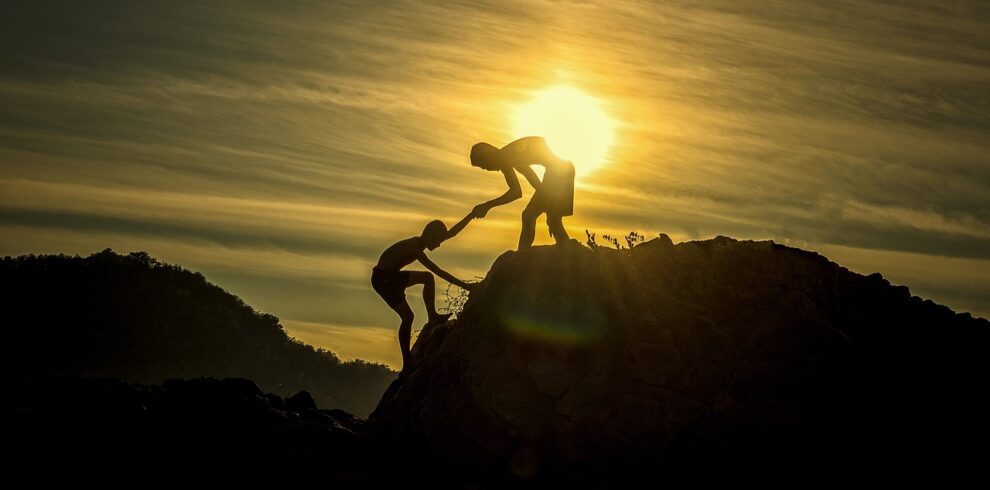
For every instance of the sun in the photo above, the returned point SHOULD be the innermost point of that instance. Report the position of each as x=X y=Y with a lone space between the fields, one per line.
x=572 y=122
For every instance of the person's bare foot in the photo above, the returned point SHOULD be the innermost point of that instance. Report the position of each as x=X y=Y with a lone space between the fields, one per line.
x=437 y=319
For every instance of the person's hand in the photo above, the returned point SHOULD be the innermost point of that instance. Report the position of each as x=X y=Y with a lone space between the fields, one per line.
x=480 y=211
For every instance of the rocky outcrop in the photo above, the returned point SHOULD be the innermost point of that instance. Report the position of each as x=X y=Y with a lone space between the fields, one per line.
x=183 y=426
x=590 y=367
x=585 y=365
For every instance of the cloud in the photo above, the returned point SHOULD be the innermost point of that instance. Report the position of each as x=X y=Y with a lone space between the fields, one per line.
x=374 y=344
x=280 y=148
x=926 y=220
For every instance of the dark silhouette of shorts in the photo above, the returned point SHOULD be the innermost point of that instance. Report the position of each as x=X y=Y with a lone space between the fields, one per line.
x=390 y=285
x=556 y=196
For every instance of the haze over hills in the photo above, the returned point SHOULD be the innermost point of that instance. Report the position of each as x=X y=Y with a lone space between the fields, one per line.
x=590 y=366
x=132 y=317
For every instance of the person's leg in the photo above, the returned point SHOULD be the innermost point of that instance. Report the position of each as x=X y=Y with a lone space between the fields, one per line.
x=556 y=224
x=429 y=295
x=405 y=330
x=529 y=215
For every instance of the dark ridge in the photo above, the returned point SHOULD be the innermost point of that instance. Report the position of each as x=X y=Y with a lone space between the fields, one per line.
x=602 y=368
x=135 y=318
x=715 y=357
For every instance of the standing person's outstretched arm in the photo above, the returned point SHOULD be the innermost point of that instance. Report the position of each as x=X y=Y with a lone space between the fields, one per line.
x=514 y=192
x=531 y=176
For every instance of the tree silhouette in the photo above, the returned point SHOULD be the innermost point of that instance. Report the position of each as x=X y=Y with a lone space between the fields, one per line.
x=133 y=317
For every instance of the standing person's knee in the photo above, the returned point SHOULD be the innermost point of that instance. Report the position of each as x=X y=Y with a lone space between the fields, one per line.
x=407 y=320
x=530 y=215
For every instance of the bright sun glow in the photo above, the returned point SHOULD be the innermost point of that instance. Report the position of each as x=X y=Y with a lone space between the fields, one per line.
x=573 y=124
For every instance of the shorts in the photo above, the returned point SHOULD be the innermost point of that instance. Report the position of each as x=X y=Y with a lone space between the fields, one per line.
x=390 y=285
x=556 y=196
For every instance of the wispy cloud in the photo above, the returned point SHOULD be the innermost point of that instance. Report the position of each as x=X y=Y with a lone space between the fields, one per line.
x=279 y=148
x=349 y=342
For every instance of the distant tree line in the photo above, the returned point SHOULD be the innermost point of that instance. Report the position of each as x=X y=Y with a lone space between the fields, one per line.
x=133 y=317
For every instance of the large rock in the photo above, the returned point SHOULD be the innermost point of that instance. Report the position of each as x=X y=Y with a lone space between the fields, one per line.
x=595 y=368
x=721 y=355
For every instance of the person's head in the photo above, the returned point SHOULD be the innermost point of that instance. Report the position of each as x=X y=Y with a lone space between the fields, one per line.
x=434 y=233
x=483 y=156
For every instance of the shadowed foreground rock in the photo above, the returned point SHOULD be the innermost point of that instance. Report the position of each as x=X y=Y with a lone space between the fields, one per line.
x=704 y=358
x=202 y=425
x=595 y=367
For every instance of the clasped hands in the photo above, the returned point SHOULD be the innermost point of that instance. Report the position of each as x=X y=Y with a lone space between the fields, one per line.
x=480 y=210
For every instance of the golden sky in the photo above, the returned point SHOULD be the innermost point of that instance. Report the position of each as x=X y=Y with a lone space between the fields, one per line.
x=278 y=147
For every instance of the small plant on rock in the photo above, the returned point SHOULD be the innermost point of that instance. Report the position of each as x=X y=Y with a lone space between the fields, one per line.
x=454 y=299
x=632 y=239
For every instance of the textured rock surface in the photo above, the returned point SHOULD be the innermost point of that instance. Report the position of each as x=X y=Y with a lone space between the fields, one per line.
x=713 y=355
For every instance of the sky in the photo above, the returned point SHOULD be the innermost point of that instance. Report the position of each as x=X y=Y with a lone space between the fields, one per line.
x=279 y=147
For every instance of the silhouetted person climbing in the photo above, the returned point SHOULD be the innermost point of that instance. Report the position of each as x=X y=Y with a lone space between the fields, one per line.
x=390 y=282
x=553 y=195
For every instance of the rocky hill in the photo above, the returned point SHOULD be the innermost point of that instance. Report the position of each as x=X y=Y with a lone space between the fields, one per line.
x=709 y=357
x=134 y=318
x=605 y=368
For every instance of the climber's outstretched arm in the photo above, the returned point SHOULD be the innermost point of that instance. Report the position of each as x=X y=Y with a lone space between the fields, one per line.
x=423 y=259
x=454 y=230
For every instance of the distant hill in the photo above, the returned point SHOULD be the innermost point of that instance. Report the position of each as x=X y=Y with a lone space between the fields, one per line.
x=133 y=317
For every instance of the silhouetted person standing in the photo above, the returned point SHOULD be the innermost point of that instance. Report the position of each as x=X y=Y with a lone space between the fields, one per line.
x=553 y=195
